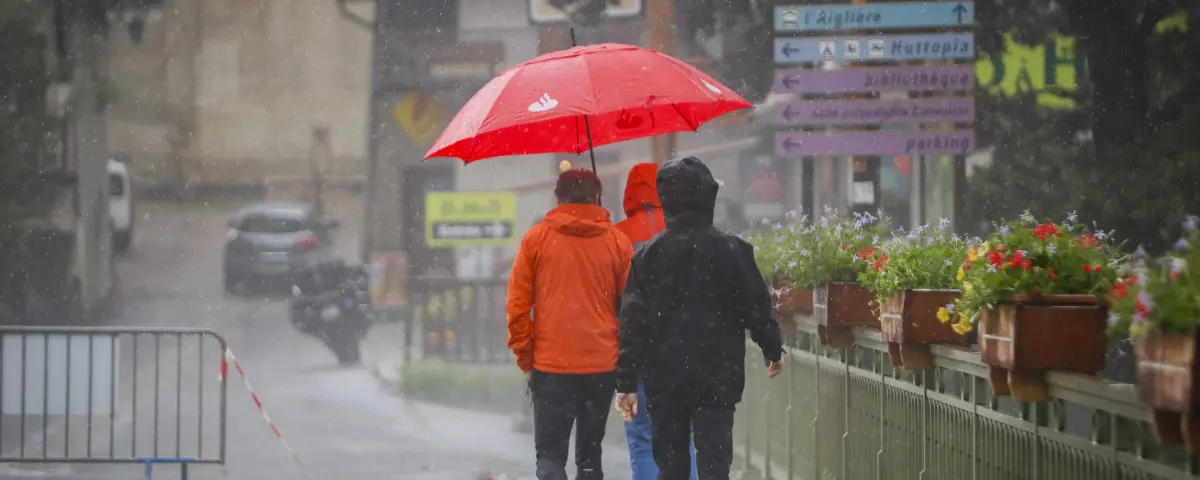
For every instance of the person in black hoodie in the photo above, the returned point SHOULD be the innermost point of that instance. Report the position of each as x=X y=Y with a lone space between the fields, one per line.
x=692 y=293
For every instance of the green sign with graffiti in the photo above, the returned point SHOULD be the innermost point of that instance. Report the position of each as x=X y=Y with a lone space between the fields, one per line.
x=1053 y=69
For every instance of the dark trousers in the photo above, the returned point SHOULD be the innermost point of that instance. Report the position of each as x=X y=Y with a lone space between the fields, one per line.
x=561 y=402
x=676 y=424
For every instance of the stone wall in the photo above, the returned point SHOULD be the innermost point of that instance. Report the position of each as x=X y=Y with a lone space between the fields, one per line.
x=226 y=92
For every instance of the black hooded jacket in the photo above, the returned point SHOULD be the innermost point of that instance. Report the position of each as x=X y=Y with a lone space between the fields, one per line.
x=692 y=294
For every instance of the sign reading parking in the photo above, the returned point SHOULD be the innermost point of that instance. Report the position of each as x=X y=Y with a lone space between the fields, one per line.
x=881 y=47
x=885 y=16
x=470 y=219
x=883 y=142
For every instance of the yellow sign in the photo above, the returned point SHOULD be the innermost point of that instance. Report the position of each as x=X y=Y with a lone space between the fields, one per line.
x=470 y=219
x=420 y=115
x=543 y=11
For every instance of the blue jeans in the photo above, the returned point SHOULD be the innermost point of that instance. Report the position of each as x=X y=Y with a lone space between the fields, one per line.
x=641 y=449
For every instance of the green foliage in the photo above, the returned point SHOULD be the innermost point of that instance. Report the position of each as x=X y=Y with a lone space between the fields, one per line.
x=925 y=258
x=811 y=254
x=488 y=389
x=1030 y=258
x=1158 y=293
x=1138 y=111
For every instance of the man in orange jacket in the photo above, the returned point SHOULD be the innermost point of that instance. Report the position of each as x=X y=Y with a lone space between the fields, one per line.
x=571 y=268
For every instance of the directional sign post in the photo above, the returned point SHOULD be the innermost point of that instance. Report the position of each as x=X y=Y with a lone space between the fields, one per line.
x=884 y=16
x=882 y=142
x=470 y=219
x=877 y=112
x=945 y=46
x=876 y=80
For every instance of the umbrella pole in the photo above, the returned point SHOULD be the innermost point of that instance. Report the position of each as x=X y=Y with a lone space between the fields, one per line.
x=587 y=126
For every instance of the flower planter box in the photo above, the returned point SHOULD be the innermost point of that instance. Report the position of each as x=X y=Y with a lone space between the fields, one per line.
x=790 y=302
x=837 y=308
x=909 y=324
x=1026 y=336
x=1168 y=382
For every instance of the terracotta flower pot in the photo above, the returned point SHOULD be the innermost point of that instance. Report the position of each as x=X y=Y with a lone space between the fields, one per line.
x=909 y=325
x=1168 y=381
x=1026 y=336
x=837 y=308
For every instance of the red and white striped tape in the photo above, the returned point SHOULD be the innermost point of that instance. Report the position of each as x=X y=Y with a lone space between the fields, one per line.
x=227 y=358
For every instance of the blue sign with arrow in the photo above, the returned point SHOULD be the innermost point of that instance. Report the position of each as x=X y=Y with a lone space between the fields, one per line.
x=875 y=47
x=882 y=16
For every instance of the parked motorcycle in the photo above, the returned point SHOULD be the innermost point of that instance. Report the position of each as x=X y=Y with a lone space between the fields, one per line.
x=331 y=301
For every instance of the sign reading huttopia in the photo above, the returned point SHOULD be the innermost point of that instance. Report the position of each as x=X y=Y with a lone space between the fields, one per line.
x=470 y=219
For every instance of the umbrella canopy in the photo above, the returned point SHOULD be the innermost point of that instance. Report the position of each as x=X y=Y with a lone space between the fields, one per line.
x=605 y=93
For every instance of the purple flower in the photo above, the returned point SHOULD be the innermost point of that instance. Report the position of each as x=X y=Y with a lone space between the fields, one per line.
x=1190 y=224
x=858 y=237
x=779 y=238
x=1139 y=318
x=1004 y=230
x=803 y=253
x=792 y=264
x=1100 y=234
x=791 y=214
x=943 y=224
x=853 y=258
x=1113 y=319
x=1182 y=244
x=991 y=269
x=929 y=240
x=1051 y=249
x=949 y=263
x=1025 y=253
x=875 y=239
x=1178 y=265
x=811 y=229
x=901 y=230
x=949 y=308
x=1072 y=216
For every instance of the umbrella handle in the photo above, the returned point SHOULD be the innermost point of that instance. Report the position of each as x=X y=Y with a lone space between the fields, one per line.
x=587 y=127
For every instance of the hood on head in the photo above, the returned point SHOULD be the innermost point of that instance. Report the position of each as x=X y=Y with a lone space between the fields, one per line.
x=640 y=189
x=688 y=192
x=579 y=220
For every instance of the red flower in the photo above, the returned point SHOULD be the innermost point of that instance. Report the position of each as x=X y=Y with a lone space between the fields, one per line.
x=1121 y=288
x=1026 y=264
x=1016 y=259
x=995 y=258
x=845 y=247
x=1044 y=231
x=1091 y=268
x=1052 y=274
x=1087 y=240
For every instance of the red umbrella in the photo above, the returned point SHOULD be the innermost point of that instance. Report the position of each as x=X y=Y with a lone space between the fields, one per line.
x=572 y=100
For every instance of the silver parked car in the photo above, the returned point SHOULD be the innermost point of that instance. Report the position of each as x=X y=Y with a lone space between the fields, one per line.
x=266 y=243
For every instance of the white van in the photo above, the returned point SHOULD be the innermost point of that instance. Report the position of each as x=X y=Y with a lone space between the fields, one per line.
x=120 y=204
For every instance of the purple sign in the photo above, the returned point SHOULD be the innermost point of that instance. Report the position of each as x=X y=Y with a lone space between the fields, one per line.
x=876 y=112
x=882 y=142
x=873 y=80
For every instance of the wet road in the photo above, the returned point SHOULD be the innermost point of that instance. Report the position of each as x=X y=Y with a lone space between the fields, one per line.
x=340 y=422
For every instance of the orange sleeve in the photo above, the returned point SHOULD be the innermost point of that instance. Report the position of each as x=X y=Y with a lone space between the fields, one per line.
x=519 y=302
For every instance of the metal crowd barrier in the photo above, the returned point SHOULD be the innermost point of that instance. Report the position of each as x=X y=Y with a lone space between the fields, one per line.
x=112 y=395
x=850 y=414
x=459 y=320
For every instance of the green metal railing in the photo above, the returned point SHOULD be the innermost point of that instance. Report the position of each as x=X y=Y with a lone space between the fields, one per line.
x=849 y=414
